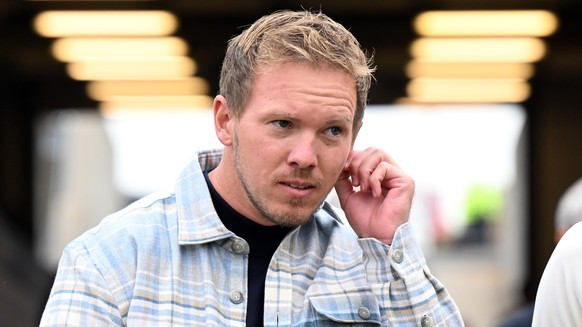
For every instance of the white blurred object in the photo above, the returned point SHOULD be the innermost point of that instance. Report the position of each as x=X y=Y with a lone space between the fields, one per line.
x=74 y=186
x=151 y=147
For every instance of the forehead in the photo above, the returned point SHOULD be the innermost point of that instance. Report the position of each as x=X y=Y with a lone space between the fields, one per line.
x=286 y=63
x=299 y=86
x=304 y=81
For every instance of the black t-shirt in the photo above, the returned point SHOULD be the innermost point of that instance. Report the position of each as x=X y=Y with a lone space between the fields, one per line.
x=263 y=242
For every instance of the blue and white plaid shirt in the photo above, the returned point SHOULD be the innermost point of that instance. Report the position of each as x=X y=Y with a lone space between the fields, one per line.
x=167 y=260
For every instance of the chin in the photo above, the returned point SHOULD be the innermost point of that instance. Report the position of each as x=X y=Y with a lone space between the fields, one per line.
x=293 y=217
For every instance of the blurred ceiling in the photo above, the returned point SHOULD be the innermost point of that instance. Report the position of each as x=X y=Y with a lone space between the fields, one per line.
x=383 y=27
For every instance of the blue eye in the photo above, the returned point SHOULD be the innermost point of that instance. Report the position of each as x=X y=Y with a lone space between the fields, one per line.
x=335 y=131
x=282 y=123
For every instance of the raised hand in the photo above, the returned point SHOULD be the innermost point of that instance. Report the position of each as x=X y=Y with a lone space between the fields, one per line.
x=375 y=194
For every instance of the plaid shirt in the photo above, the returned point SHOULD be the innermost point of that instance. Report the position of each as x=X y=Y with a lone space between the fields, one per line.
x=167 y=259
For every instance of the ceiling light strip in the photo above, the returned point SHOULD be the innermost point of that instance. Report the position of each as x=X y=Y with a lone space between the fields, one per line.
x=100 y=23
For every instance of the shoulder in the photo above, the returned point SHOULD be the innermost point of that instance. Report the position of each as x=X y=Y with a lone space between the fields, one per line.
x=150 y=221
x=566 y=260
x=560 y=290
x=568 y=251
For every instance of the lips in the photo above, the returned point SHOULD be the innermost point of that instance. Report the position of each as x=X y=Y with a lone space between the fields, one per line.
x=299 y=189
x=299 y=186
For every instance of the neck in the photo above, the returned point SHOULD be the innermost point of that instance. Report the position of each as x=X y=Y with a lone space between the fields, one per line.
x=227 y=184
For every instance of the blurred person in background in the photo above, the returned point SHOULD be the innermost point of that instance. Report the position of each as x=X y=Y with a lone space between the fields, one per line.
x=559 y=297
x=568 y=214
x=245 y=237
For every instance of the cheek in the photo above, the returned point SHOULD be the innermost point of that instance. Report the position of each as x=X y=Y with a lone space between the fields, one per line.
x=337 y=170
x=334 y=164
x=258 y=156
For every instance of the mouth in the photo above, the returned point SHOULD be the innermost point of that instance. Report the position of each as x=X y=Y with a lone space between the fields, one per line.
x=299 y=186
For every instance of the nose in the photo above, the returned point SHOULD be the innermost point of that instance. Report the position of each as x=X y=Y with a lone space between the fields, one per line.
x=303 y=153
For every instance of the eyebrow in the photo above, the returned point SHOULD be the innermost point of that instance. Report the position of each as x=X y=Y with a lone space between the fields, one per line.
x=280 y=113
x=338 y=119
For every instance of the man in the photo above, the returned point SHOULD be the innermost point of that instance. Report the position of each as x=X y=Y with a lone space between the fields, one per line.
x=559 y=297
x=246 y=238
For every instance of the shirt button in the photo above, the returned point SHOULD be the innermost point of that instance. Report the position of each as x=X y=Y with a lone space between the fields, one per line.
x=426 y=321
x=238 y=246
x=397 y=256
x=364 y=313
x=236 y=297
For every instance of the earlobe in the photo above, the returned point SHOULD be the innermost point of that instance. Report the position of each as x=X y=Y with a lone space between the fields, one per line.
x=223 y=120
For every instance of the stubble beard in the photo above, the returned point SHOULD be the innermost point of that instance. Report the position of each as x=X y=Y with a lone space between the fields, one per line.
x=276 y=217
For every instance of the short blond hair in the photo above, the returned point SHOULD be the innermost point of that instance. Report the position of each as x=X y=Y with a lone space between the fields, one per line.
x=292 y=36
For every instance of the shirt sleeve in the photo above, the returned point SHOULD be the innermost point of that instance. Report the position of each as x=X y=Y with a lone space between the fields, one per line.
x=80 y=296
x=559 y=297
x=407 y=291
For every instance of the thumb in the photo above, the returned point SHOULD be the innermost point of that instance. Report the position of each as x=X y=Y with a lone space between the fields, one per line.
x=344 y=187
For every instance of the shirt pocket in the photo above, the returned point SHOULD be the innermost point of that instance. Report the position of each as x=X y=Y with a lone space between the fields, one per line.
x=354 y=307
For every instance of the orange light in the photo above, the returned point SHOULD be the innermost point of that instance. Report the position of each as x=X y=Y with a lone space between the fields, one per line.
x=101 y=23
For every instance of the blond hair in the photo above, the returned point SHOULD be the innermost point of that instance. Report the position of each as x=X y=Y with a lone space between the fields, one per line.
x=292 y=36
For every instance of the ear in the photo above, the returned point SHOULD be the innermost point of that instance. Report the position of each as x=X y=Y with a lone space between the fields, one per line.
x=223 y=120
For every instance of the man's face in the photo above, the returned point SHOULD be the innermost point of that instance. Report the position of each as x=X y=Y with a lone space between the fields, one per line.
x=292 y=140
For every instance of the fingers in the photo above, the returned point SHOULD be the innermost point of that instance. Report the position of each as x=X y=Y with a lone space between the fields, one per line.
x=354 y=165
x=383 y=172
x=372 y=169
